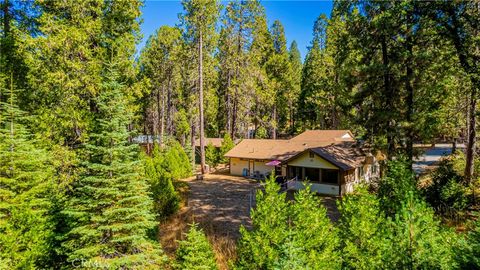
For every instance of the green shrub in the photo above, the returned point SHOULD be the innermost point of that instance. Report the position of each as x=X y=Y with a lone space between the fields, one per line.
x=447 y=192
x=195 y=252
x=468 y=254
x=398 y=181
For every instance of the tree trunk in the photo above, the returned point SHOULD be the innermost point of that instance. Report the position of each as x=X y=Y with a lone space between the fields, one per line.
x=200 y=101
x=192 y=141
x=471 y=136
x=229 y=106
x=160 y=112
x=389 y=98
x=274 y=122
x=409 y=88
x=169 y=107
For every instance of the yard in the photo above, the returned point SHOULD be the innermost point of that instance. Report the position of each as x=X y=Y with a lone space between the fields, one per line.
x=220 y=204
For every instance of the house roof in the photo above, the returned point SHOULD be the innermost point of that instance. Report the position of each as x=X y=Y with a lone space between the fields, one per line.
x=345 y=155
x=270 y=149
x=336 y=146
x=324 y=135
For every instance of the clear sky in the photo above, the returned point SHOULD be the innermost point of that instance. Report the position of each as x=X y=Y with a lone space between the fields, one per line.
x=296 y=16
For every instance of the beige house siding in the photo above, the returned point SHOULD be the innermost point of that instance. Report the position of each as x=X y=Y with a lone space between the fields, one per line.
x=237 y=165
x=262 y=168
x=304 y=160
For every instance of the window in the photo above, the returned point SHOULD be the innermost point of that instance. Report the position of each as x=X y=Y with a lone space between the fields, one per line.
x=330 y=176
x=311 y=154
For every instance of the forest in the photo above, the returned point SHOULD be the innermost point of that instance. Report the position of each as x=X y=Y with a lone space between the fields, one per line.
x=78 y=192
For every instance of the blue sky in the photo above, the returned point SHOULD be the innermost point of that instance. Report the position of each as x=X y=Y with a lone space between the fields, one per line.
x=296 y=16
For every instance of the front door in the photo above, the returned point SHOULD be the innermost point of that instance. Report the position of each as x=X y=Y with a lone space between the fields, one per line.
x=251 y=167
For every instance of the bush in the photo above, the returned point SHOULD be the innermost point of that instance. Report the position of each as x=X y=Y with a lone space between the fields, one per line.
x=468 y=254
x=195 y=252
x=447 y=192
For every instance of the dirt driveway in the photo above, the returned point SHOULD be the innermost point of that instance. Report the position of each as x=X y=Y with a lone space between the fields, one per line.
x=221 y=203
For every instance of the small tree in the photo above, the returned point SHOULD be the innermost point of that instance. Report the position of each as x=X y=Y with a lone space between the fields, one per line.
x=165 y=198
x=288 y=235
x=313 y=232
x=195 y=252
x=212 y=155
x=361 y=232
x=227 y=145
x=26 y=190
x=420 y=242
x=397 y=183
x=261 y=247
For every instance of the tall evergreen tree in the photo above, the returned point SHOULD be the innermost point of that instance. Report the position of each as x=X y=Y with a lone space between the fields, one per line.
x=110 y=209
x=295 y=60
x=278 y=70
x=199 y=20
x=163 y=96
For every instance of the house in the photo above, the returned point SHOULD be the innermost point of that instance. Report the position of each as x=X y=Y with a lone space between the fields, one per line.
x=331 y=160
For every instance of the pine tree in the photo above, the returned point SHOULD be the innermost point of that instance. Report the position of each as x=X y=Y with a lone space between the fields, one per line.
x=361 y=232
x=398 y=182
x=195 y=252
x=211 y=155
x=163 y=95
x=287 y=235
x=313 y=233
x=227 y=145
x=296 y=77
x=420 y=241
x=278 y=70
x=468 y=255
x=261 y=247
x=165 y=198
x=26 y=191
x=199 y=21
x=109 y=207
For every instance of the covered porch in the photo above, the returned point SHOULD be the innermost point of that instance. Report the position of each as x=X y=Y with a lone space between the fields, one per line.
x=321 y=180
